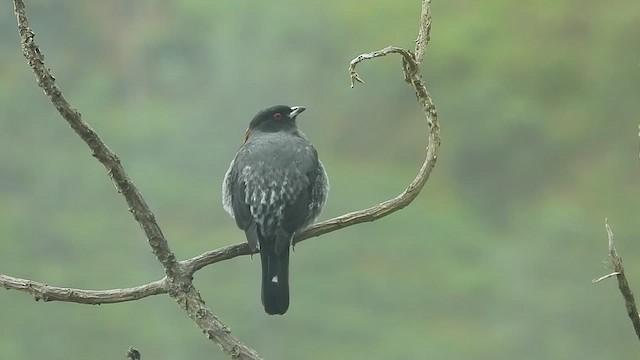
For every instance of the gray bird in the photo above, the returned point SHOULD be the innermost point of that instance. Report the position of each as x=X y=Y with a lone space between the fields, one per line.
x=275 y=187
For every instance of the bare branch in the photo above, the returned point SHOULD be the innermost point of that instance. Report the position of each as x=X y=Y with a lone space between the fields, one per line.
x=46 y=293
x=424 y=33
x=623 y=285
x=137 y=205
x=211 y=257
x=191 y=302
x=179 y=283
x=412 y=75
x=372 y=55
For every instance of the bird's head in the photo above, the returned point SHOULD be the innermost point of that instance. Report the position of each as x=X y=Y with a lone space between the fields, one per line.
x=275 y=118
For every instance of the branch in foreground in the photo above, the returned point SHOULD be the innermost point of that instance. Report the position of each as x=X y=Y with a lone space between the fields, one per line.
x=623 y=285
x=93 y=297
x=137 y=205
x=180 y=285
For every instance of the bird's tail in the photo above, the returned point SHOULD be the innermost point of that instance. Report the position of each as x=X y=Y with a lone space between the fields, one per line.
x=275 y=280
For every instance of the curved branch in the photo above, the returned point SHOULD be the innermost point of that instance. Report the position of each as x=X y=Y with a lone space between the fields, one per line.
x=91 y=297
x=411 y=66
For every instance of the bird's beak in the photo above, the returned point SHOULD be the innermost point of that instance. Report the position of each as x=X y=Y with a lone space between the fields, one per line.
x=296 y=110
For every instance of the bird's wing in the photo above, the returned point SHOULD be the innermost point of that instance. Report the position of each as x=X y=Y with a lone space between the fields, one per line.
x=319 y=193
x=311 y=196
x=234 y=202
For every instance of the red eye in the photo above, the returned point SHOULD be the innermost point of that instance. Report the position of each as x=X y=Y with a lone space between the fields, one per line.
x=277 y=116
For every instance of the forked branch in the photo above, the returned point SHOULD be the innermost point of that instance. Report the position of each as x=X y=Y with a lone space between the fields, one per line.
x=177 y=282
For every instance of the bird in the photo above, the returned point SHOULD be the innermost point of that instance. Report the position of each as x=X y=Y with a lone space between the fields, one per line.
x=274 y=188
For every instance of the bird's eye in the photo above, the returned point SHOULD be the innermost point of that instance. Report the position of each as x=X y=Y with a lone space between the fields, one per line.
x=277 y=116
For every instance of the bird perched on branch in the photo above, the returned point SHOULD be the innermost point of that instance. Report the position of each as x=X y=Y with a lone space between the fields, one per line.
x=275 y=187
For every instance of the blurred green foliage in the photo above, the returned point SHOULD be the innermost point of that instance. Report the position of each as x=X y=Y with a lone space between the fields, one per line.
x=538 y=108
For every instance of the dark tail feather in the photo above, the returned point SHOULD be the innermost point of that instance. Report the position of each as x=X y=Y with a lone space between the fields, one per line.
x=275 y=280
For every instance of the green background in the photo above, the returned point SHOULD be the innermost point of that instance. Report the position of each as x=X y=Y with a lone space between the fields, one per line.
x=538 y=103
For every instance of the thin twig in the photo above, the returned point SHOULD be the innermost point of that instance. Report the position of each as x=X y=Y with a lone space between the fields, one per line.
x=353 y=75
x=604 y=277
x=623 y=285
x=424 y=33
